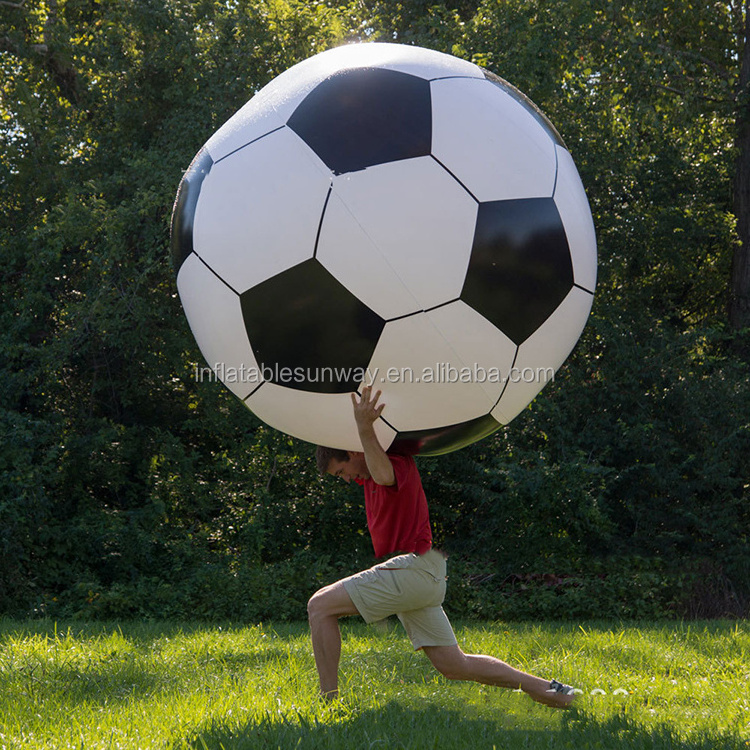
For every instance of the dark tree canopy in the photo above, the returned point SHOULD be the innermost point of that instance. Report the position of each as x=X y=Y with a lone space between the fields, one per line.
x=128 y=487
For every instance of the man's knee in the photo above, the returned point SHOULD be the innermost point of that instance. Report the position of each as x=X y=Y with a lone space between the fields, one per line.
x=316 y=605
x=450 y=661
x=330 y=601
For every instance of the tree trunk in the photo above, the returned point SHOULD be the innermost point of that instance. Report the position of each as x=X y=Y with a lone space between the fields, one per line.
x=739 y=297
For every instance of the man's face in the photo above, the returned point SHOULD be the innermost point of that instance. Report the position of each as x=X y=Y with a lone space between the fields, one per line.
x=355 y=467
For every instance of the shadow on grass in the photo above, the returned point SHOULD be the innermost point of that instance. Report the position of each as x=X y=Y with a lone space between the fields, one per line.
x=395 y=727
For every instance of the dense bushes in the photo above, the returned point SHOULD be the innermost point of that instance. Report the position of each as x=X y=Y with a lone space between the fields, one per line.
x=591 y=505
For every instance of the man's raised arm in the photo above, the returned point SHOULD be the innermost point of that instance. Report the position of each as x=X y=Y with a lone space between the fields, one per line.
x=366 y=412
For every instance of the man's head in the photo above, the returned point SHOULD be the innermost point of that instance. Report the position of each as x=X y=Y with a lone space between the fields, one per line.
x=339 y=463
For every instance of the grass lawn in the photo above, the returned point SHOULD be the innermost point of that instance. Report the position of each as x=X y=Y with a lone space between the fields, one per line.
x=161 y=685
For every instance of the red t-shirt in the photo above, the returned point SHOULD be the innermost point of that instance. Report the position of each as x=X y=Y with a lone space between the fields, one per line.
x=397 y=515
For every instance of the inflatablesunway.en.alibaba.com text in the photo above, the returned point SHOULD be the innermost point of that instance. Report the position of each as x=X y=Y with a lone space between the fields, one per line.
x=438 y=373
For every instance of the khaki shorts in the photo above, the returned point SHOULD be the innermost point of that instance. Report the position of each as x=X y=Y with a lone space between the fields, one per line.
x=410 y=586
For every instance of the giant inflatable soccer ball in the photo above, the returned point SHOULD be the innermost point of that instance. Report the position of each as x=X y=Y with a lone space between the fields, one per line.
x=385 y=214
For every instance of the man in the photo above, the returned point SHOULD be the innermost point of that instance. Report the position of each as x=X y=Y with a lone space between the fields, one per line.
x=410 y=584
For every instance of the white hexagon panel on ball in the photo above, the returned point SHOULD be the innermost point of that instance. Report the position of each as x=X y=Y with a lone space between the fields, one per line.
x=417 y=225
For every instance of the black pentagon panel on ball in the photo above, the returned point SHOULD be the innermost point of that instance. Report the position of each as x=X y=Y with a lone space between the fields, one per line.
x=525 y=102
x=367 y=116
x=520 y=268
x=435 y=442
x=183 y=212
x=309 y=332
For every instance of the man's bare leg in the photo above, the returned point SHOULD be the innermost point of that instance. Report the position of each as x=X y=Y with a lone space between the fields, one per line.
x=323 y=610
x=456 y=665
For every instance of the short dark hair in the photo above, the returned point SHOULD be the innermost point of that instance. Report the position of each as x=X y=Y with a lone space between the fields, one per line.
x=324 y=456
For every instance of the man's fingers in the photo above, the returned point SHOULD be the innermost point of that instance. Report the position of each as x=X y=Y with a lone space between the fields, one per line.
x=364 y=401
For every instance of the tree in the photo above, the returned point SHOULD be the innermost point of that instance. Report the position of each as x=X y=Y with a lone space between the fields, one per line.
x=739 y=300
x=126 y=487
x=112 y=464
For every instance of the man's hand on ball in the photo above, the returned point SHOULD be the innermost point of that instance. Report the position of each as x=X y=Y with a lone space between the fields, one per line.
x=366 y=408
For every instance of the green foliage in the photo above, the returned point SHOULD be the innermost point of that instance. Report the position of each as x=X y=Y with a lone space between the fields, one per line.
x=127 y=488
